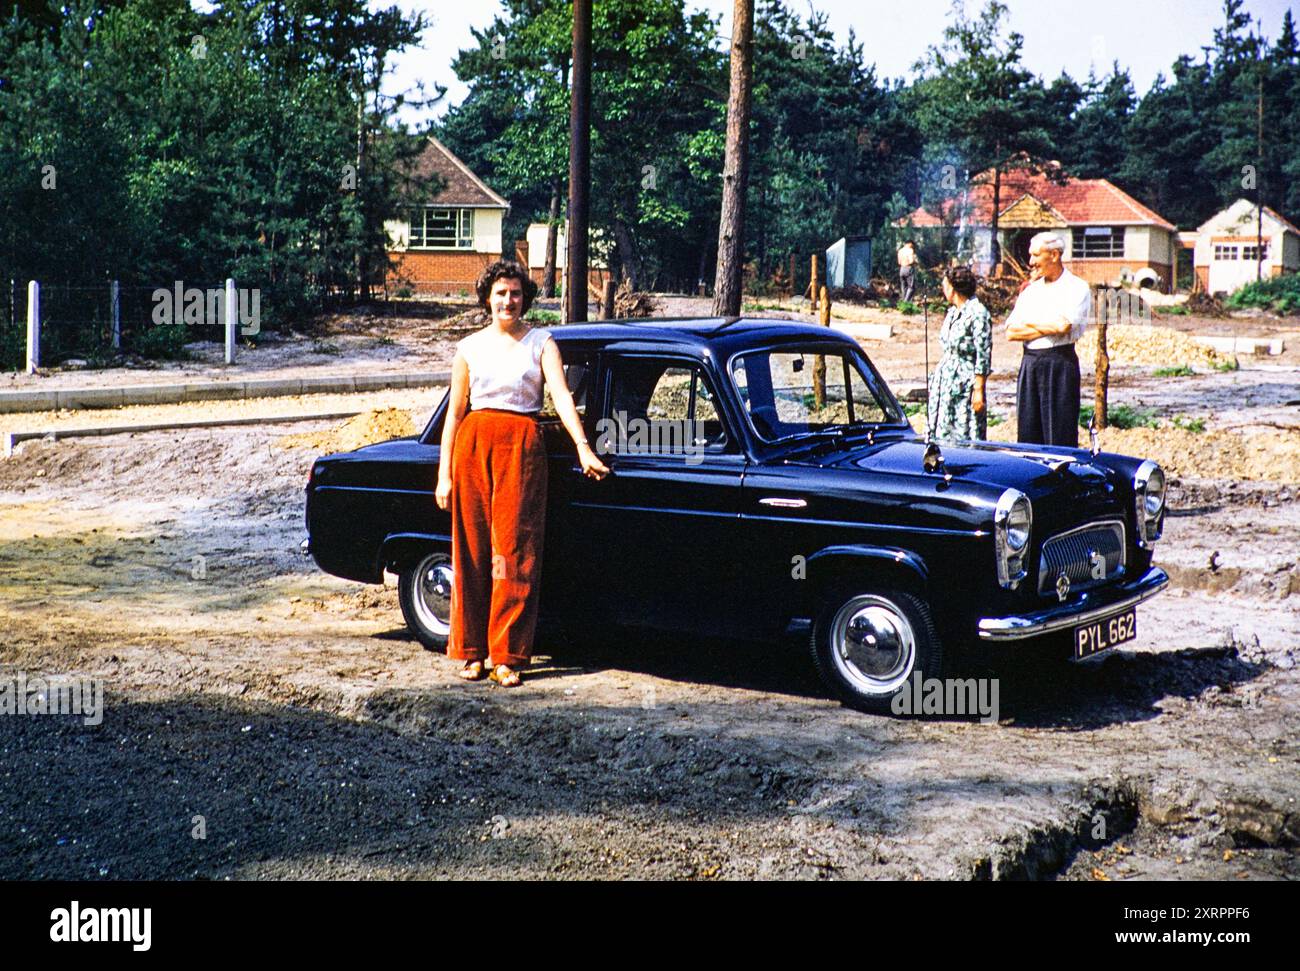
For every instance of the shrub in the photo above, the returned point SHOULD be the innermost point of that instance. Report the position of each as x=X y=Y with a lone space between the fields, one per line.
x=164 y=342
x=1280 y=294
x=1122 y=416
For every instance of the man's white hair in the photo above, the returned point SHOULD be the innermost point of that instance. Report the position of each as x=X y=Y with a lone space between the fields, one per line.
x=1048 y=241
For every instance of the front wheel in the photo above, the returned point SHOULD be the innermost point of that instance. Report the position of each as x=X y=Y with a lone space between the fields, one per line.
x=424 y=591
x=866 y=647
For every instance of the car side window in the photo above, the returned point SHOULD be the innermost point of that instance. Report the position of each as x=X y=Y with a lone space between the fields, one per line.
x=661 y=407
x=579 y=372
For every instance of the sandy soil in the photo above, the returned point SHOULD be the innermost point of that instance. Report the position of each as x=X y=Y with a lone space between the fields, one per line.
x=293 y=713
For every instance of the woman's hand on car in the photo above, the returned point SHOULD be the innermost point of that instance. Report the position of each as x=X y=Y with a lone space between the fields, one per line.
x=592 y=467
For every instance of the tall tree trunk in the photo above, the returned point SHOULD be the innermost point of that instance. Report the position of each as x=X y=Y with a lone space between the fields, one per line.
x=627 y=254
x=731 y=226
x=552 y=224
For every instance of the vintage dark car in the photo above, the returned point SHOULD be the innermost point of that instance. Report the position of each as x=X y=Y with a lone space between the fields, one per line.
x=765 y=482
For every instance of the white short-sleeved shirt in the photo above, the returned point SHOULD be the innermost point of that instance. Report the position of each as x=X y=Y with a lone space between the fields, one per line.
x=505 y=376
x=1043 y=302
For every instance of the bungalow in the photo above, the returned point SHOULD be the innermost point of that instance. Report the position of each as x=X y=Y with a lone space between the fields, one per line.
x=1227 y=248
x=1109 y=235
x=441 y=243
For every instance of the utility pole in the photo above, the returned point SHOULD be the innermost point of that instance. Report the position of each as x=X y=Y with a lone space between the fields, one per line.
x=575 y=290
x=1259 y=175
x=735 y=170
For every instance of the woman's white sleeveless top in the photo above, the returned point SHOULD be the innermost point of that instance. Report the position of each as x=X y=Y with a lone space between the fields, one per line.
x=505 y=376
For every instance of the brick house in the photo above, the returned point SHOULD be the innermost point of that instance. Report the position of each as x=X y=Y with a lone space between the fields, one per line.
x=442 y=243
x=1107 y=232
x=1227 y=248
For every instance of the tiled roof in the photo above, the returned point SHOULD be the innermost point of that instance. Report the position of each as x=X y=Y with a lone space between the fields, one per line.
x=461 y=187
x=1081 y=202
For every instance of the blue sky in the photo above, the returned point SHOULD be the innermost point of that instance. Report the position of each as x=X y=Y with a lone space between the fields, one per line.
x=1145 y=36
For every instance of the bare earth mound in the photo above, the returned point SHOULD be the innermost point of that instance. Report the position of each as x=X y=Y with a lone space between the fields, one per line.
x=1149 y=345
x=366 y=429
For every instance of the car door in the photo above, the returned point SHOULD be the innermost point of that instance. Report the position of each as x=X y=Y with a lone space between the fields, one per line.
x=657 y=538
x=561 y=585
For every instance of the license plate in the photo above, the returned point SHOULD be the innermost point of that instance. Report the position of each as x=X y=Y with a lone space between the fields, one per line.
x=1102 y=635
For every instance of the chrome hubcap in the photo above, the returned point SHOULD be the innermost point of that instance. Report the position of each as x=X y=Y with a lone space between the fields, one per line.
x=433 y=579
x=873 y=644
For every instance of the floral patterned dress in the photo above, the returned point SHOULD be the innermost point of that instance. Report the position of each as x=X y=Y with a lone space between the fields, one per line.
x=967 y=339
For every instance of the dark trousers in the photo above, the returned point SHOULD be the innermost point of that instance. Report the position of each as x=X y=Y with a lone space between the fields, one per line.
x=1047 y=397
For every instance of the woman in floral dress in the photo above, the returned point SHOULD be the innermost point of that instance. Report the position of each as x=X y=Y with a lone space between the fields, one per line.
x=956 y=406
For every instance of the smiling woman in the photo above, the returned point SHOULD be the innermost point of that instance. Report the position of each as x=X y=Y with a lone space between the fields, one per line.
x=493 y=472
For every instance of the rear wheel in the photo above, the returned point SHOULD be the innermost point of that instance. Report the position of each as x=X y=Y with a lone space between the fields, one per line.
x=866 y=647
x=424 y=590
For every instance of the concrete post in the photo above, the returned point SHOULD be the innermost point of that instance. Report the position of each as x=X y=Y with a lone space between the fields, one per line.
x=117 y=316
x=33 y=326
x=232 y=319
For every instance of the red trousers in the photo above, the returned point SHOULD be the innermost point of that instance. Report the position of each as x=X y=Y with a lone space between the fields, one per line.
x=498 y=517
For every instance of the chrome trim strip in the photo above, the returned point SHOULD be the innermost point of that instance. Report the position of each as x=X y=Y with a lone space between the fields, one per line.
x=1016 y=628
x=783 y=503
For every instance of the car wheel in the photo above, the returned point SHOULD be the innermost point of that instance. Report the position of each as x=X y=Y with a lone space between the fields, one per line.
x=424 y=590
x=868 y=645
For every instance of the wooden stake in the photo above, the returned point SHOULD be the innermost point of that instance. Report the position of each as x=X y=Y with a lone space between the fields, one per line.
x=1103 y=362
x=819 y=363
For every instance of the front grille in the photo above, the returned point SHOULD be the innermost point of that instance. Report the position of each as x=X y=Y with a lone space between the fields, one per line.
x=1071 y=553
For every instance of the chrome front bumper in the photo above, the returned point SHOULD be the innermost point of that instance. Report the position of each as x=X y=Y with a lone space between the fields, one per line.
x=1084 y=609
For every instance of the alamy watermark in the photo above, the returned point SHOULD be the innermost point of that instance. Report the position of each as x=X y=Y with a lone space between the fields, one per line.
x=57 y=695
x=195 y=307
x=949 y=696
x=1119 y=307
x=639 y=436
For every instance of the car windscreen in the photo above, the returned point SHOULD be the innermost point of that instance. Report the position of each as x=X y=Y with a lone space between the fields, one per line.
x=793 y=391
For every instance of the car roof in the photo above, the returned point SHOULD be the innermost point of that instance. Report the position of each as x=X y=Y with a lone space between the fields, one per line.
x=723 y=335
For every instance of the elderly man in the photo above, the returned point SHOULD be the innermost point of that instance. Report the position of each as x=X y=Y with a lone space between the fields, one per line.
x=1049 y=316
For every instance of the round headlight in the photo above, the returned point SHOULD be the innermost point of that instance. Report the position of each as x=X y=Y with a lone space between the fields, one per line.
x=1018 y=526
x=1154 y=499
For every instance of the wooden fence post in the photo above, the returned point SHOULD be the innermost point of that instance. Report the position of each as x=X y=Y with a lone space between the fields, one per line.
x=819 y=362
x=812 y=287
x=607 y=303
x=1102 y=386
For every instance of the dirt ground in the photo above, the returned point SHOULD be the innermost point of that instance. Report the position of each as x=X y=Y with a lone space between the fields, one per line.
x=293 y=714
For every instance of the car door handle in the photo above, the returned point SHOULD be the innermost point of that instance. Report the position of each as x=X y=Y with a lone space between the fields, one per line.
x=783 y=503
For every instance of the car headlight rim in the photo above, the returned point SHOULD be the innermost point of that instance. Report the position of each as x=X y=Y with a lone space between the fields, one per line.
x=1149 y=494
x=1013 y=519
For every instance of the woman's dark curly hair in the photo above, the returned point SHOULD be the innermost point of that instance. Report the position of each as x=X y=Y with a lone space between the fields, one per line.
x=505 y=270
x=962 y=280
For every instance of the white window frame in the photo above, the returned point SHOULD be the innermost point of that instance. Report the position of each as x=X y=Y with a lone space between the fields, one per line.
x=1226 y=252
x=1114 y=235
x=462 y=226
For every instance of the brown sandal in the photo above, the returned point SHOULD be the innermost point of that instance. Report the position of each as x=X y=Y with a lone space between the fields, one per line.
x=472 y=671
x=505 y=676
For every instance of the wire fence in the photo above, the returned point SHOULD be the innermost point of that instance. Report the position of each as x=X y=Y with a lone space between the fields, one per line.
x=106 y=321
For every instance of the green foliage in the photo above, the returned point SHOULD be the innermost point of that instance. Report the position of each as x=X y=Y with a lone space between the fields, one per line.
x=1229 y=365
x=1196 y=425
x=1279 y=294
x=1181 y=371
x=539 y=315
x=147 y=142
x=1122 y=416
x=163 y=342
x=1175 y=310
x=907 y=307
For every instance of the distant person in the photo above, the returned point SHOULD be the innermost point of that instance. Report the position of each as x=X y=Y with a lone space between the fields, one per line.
x=906 y=270
x=1050 y=315
x=956 y=403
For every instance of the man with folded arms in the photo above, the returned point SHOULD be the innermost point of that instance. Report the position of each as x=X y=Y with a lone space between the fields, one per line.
x=1050 y=315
